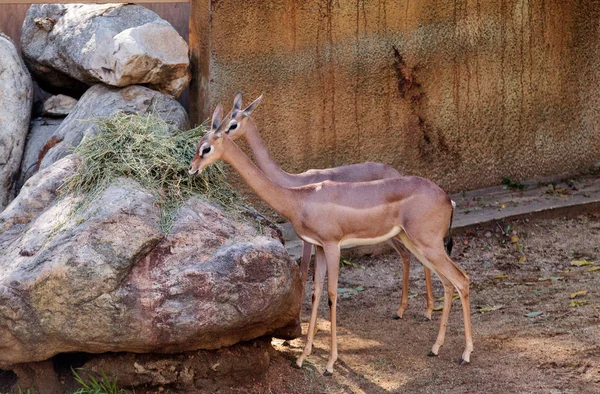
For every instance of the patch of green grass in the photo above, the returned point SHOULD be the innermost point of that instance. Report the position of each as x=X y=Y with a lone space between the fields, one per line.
x=103 y=386
x=147 y=149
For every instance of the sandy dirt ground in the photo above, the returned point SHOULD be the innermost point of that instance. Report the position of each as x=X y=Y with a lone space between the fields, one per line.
x=530 y=334
x=535 y=299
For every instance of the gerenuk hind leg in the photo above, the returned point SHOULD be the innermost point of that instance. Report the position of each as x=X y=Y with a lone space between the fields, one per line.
x=405 y=256
x=437 y=260
x=304 y=264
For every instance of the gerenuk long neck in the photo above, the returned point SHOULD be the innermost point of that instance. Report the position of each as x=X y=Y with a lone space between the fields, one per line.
x=283 y=200
x=263 y=158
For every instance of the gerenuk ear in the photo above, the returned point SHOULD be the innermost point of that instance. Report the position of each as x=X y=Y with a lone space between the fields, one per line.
x=227 y=117
x=237 y=101
x=223 y=127
x=253 y=105
x=216 y=118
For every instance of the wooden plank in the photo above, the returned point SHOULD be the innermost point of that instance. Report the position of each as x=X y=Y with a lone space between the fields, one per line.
x=200 y=54
x=11 y=21
x=178 y=15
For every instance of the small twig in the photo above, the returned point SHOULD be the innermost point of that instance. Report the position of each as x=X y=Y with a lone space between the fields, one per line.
x=500 y=227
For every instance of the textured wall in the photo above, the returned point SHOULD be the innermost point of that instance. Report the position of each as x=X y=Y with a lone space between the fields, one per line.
x=463 y=92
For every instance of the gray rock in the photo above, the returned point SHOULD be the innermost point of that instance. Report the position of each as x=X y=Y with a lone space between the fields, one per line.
x=16 y=95
x=104 y=278
x=102 y=100
x=59 y=105
x=68 y=47
x=40 y=133
x=35 y=196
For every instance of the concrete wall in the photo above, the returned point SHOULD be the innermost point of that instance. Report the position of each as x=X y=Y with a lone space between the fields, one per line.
x=462 y=92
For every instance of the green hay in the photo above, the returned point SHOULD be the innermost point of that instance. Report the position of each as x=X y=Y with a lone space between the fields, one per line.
x=147 y=149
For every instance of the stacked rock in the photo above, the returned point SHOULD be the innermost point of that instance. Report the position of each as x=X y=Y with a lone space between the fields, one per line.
x=107 y=278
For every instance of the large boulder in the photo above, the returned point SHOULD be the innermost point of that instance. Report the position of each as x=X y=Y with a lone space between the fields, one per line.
x=102 y=100
x=16 y=97
x=71 y=46
x=101 y=276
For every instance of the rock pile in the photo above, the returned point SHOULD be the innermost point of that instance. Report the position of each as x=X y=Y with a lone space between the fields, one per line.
x=103 y=100
x=72 y=46
x=78 y=50
x=105 y=277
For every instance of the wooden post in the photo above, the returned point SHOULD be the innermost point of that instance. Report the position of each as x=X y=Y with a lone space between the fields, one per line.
x=200 y=51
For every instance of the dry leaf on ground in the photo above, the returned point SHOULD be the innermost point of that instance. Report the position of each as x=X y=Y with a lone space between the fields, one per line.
x=581 y=263
x=578 y=293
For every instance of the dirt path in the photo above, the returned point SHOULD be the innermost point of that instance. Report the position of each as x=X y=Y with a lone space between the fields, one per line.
x=555 y=352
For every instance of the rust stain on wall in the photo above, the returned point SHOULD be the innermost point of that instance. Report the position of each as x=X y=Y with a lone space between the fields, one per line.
x=433 y=143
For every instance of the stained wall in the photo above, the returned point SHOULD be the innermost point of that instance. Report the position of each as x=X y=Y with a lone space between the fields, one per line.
x=463 y=92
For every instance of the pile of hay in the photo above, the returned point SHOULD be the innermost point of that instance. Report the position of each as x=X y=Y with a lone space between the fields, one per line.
x=148 y=150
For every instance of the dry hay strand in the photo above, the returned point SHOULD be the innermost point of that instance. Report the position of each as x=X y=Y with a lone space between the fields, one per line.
x=150 y=151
